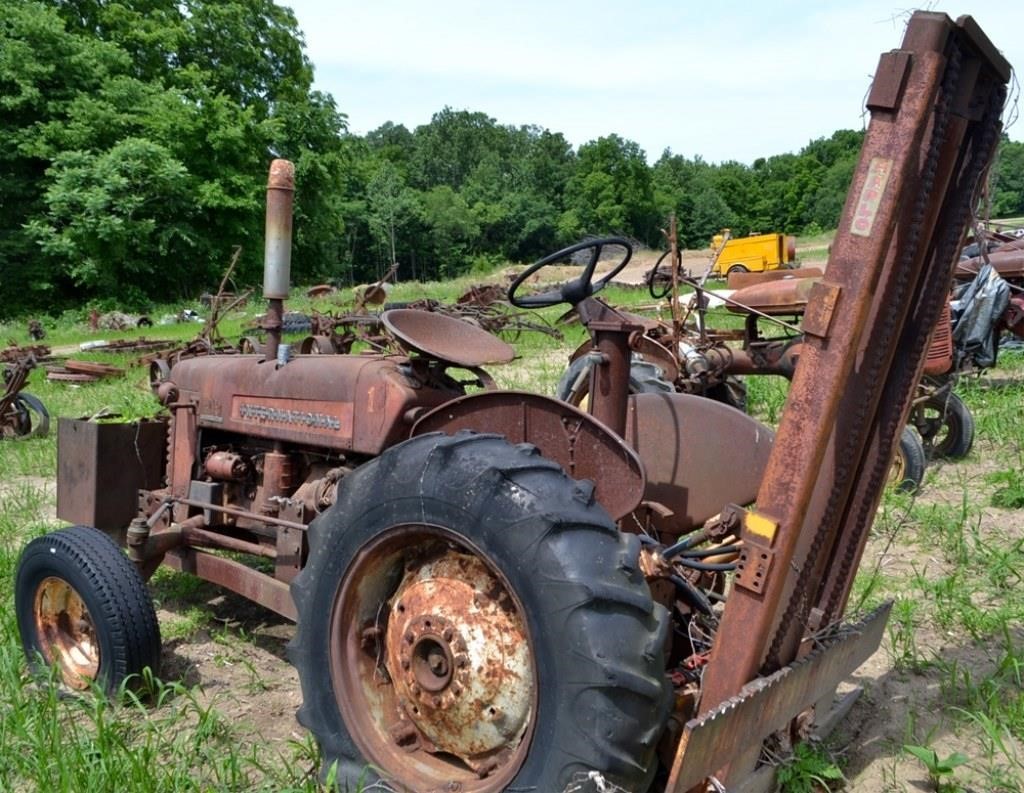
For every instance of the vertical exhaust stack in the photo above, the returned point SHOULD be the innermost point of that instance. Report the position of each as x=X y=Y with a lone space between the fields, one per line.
x=277 y=258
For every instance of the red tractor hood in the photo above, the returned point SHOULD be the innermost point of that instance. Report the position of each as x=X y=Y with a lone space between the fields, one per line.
x=352 y=403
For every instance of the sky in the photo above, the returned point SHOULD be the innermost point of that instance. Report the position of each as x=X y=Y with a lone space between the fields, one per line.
x=723 y=80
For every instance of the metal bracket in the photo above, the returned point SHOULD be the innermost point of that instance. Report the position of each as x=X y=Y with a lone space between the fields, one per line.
x=752 y=568
x=821 y=305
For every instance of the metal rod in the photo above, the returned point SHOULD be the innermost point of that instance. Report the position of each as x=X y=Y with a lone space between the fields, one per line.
x=241 y=513
x=202 y=537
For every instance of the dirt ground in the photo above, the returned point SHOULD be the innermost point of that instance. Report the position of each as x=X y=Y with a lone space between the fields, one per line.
x=694 y=262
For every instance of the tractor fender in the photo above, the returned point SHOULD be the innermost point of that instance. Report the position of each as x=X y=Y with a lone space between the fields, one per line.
x=699 y=455
x=582 y=445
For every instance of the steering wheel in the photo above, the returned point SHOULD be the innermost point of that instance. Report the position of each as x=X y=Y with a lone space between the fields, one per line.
x=576 y=290
x=653 y=275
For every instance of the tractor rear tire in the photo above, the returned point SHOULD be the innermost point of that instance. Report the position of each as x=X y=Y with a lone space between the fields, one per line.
x=470 y=619
x=732 y=392
x=82 y=606
x=644 y=378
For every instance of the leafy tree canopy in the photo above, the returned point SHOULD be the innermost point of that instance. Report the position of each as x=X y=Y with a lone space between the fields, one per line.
x=138 y=134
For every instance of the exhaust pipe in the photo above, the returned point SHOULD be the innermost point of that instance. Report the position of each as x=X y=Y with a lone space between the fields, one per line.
x=277 y=258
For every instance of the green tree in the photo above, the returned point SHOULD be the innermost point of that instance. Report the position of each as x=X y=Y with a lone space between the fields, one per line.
x=611 y=191
x=36 y=82
x=1008 y=180
x=391 y=208
x=451 y=146
x=183 y=88
x=451 y=232
x=394 y=143
x=118 y=219
x=734 y=183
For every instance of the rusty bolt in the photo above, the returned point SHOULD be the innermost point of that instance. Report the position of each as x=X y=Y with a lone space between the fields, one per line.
x=410 y=637
x=436 y=702
x=461 y=660
x=448 y=634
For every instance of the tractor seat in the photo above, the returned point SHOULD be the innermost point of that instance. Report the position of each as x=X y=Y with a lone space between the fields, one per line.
x=446 y=338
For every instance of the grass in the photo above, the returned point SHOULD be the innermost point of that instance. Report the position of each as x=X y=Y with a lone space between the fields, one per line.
x=811 y=769
x=959 y=606
x=953 y=559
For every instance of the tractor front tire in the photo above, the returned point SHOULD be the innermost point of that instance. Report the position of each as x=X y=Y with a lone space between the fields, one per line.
x=35 y=417
x=644 y=378
x=470 y=619
x=945 y=425
x=909 y=463
x=82 y=607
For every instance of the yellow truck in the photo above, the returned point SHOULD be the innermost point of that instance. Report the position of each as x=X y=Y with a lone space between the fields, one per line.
x=754 y=254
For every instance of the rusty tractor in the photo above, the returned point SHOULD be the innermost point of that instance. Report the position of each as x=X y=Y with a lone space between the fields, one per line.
x=943 y=427
x=688 y=356
x=495 y=590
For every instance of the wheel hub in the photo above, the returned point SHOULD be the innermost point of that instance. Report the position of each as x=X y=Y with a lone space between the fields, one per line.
x=66 y=632
x=433 y=661
x=458 y=653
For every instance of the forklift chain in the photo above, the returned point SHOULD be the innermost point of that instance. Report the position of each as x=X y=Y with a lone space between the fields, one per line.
x=802 y=592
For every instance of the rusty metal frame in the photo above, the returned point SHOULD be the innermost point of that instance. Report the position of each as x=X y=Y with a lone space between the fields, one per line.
x=235 y=577
x=17 y=377
x=768 y=704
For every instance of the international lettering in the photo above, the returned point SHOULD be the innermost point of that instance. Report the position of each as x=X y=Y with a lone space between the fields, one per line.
x=302 y=418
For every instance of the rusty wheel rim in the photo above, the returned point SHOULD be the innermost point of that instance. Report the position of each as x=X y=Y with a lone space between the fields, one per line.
x=431 y=663
x=66 y=631
x=898 y=469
